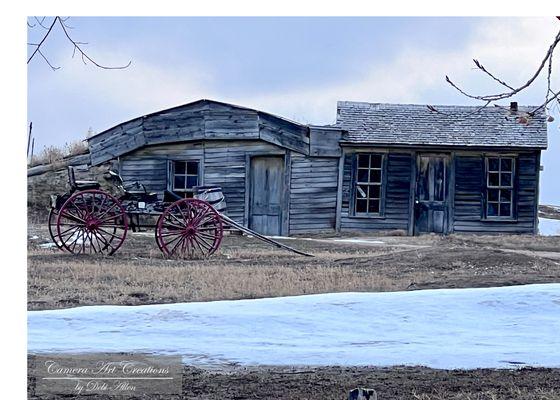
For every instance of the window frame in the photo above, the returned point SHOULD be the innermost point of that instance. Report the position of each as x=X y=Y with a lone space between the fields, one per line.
x=186 y=192
x=512 y=187
x=354 y=185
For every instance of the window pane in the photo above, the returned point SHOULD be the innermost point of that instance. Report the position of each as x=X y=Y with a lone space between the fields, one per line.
x=362 y=175
x=179 y=167
x=493 y=164
x=505 y=209
x=506 y=179
x=505 y=195
x=376 y=160
x=192 y=181
x=192 y=168
x=373 y=206
x=179 y=182
x=493 y=194
x=506 y=164
x=361 y=191
x=439 y=180
x=375 y=176
x=361 y=206
x=492 y=209
x=374 y=191
x=424 y=179
x=493 y=179
x=363 y=160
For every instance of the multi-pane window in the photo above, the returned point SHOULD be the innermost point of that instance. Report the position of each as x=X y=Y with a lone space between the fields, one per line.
x=368 y=184
x=184 y=176
x=500 y=174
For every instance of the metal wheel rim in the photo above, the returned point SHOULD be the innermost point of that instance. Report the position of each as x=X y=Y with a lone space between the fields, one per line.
x=92 y=221
x=189 y=228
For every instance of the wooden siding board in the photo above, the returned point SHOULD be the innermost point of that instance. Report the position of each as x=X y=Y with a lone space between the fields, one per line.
x=396 y=214
x=313 y=194
x=469 y=190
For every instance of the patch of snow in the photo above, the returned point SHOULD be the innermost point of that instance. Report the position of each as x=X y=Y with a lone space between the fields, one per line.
x=361 y=241
x=34 y=237
x=446 y=328
x=549 y=227
x=49 y=245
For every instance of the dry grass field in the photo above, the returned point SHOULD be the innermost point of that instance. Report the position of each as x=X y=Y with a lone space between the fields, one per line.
x=247 y=268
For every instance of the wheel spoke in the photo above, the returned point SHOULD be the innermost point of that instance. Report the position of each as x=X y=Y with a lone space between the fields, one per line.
x=91 y=221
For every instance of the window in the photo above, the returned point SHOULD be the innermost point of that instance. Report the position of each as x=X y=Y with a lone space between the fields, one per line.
x=500 y=174
x=184 y=177
x=368 y=184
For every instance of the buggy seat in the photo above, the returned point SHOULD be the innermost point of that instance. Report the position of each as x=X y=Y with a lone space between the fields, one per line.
x=81 y=184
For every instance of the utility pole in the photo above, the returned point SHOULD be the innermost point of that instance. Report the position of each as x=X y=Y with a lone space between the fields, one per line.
x=29 y=139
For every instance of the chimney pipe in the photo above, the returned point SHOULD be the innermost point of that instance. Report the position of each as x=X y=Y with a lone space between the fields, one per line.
x=513 y=106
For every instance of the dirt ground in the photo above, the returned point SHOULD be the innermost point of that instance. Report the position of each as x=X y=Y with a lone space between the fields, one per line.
x=326 y=383
x=247 y=268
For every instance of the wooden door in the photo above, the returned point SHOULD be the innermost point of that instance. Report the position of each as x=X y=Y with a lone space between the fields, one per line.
x=431 y=203
x=266 y=194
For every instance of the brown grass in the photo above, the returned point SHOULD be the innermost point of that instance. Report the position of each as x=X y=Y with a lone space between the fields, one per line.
x=246 y=268
x=52 y=154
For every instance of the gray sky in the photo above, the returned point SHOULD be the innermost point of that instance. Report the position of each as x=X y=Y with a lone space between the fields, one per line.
x=294 y=67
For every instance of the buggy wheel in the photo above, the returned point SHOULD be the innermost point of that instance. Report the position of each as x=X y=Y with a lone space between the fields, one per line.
x=53 y=217
x=189 y=228
x=91 y=222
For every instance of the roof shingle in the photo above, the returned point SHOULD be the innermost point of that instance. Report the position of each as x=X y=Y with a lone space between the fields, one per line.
x=414 y=124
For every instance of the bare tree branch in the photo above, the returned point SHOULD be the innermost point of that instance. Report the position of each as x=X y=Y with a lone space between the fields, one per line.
x=505 y=95
x=42 y=41
x=501 y=82
x=41 y=22
x=47 y=61
x=76 y=45
x=550 y=96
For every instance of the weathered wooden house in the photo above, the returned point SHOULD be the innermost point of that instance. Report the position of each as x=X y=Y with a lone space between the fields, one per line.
x=380 y=167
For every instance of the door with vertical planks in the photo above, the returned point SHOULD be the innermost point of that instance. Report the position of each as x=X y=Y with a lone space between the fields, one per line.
x=266 y=194
x=431 y=201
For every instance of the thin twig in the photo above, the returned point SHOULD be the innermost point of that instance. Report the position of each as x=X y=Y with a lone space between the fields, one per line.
x=76 y=45
x=42 y=40
x=84 y=55
x=481 y=67
x=514 y=91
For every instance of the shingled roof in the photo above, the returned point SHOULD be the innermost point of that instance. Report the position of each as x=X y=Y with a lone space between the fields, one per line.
x=415 y=124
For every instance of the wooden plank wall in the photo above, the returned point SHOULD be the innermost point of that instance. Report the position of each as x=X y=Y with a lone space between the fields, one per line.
x=469 y=184
x=313 y=194
x=198 y=121
x=223 y=164
x=397 y=192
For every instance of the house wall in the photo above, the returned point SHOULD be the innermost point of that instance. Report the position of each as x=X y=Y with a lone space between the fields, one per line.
x=397 y=192
x=469 y=183
x=313 y=195
x=310 y=182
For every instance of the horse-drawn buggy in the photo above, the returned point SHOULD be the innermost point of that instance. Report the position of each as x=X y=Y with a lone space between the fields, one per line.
x=90 y=220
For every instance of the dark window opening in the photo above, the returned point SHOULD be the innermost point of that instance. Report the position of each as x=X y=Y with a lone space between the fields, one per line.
x=185 y=176
x=368 y=184
x=500 y=174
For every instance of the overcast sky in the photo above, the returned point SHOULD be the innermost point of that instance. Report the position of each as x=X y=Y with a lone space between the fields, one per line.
x=295 y=67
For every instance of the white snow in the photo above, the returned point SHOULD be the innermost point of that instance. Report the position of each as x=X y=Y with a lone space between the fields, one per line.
x=359 y=241
x=549 y=227
x=49 y=245
x=447 y=328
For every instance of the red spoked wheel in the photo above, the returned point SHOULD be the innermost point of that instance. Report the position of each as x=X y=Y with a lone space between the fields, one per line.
x=189 y=228
x=91 y=222
x=53 y=218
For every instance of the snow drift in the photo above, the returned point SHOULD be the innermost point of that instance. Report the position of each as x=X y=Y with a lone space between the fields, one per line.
x=446 y=328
